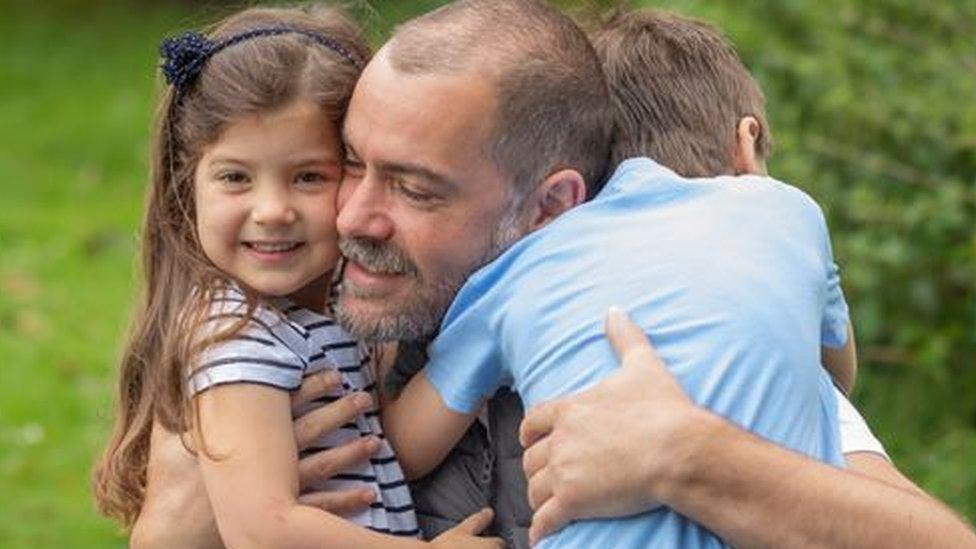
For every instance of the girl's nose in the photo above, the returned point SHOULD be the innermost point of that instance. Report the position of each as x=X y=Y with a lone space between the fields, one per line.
x=273 y=207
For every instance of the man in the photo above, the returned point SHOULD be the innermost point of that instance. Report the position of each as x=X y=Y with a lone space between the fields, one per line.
x=441 y=179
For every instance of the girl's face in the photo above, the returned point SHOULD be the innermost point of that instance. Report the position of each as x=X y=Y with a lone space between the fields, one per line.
x=265 y=195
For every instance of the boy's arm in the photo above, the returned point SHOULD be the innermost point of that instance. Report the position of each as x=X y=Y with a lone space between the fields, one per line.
x=249 y=462
x=421 y=428
x=842 y=362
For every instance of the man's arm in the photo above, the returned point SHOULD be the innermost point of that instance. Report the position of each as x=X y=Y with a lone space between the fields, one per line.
x=752 y=493
x=756 y=494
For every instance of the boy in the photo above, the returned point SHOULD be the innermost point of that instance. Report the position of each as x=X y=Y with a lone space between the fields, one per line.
x=731 y=275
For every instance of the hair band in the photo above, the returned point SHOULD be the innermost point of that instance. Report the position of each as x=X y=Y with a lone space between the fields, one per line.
x=185 y=55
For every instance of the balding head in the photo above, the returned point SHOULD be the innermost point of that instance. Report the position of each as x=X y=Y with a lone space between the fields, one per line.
x=553 y=109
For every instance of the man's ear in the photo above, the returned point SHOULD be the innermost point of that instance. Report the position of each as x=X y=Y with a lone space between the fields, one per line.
x=557 y=194
x=744 y=157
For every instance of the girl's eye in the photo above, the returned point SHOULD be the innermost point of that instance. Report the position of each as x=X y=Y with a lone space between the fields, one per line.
x=309 y=178
x=233 y=178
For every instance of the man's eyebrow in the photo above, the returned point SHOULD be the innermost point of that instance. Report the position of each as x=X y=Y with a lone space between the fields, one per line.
x=405 y=168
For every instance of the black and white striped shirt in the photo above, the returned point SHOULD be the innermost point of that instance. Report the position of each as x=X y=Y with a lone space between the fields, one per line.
x=280 y=345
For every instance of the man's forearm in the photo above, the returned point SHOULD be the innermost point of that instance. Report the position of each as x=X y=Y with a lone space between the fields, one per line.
x=755 y=494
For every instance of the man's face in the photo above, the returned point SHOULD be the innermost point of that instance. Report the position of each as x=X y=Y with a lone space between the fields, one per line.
x=421 y=204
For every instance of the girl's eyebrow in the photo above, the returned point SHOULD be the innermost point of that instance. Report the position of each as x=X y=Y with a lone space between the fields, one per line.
x=315 y=158
x=231 y=160
x=302 y=160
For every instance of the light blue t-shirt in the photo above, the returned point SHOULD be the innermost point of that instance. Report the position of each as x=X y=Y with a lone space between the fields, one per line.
x=731 y=277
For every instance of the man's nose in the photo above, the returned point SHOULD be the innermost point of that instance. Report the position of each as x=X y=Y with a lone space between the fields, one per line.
x=273 y=206
x=364 y=210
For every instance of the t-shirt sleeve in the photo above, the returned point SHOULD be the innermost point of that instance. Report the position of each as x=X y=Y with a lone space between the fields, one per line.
x=263 y=352
x=833 y=328
x=465 y=365
x=855 y=435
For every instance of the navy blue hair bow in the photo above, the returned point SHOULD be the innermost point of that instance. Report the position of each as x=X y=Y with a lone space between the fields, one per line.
x=185 y=55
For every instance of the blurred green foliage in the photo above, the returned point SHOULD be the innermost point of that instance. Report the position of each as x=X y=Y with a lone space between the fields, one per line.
x=873 y=111
x=873 y=108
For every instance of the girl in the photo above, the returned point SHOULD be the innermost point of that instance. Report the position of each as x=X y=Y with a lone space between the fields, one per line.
x=239 y=247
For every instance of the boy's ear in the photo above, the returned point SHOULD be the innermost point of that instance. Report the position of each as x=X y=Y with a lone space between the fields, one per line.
x=744 y=157
x=557 y=194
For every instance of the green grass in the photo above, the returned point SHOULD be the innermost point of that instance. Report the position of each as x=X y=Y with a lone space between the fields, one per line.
x=76 y=94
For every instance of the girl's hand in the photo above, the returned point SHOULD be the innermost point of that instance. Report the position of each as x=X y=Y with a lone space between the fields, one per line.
x=466 y=533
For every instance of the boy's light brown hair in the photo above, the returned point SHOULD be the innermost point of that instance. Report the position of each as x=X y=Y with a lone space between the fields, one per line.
x=678 y=90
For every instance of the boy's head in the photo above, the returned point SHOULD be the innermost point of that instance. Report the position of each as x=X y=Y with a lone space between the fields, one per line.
x=681 y=96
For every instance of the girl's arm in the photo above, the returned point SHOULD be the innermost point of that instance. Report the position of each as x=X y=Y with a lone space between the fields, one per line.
x=249 y=463
x=842 y=363
x=421 y=428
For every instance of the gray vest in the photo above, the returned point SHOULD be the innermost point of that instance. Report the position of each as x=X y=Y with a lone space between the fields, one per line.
x=483 y=470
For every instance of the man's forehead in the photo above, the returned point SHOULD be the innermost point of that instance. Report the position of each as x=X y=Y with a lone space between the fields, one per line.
x=419 y=110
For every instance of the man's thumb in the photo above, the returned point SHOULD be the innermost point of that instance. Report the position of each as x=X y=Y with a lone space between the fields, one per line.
x=629 y=341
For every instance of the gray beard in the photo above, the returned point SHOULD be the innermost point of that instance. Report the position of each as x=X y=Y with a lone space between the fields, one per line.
x=420 y=318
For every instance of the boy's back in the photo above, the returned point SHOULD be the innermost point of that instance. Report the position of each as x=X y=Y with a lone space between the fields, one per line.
x=731 y=277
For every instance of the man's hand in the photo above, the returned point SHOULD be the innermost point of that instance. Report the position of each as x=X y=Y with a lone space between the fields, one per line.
x=322 y=465
x=601 y=453
x=177 y=513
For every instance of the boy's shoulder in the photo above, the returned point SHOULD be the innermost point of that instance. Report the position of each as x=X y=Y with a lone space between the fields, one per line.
x=643 y=175
x=773 y=192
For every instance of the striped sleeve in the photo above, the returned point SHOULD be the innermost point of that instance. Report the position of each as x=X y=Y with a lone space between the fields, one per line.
x=267 y=351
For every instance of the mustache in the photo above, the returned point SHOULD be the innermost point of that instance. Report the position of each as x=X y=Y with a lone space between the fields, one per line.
x=379 y=257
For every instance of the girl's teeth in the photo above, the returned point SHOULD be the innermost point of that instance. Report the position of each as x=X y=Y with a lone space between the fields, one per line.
x=271 y=248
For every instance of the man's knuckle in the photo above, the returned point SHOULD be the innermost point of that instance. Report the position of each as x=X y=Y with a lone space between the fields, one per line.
x=323 y=467
x=569 y=497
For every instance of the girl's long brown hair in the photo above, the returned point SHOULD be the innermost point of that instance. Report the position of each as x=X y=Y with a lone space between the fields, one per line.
x=256 y=75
